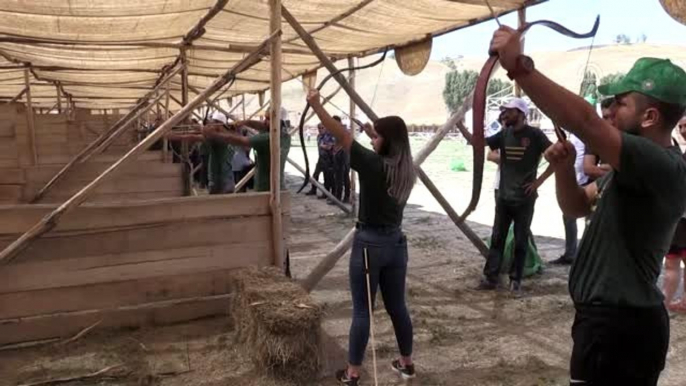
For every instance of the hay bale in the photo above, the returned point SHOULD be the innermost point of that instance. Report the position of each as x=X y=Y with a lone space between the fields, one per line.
x=278 y=324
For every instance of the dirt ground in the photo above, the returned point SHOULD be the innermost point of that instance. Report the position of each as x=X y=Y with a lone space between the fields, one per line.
x=462 y=337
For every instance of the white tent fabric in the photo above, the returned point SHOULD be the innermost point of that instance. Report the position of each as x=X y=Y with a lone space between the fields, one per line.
x=107 y=54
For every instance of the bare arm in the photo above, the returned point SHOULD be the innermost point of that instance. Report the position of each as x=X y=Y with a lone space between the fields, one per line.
x=592 y=170
x=559 y=104
x=494 y=156
x=227 y=137
x=369 y=130
x=344 y=138
x=574 y=200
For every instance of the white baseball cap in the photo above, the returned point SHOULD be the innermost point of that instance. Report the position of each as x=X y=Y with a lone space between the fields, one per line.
x=219 y=116
x=516 y=103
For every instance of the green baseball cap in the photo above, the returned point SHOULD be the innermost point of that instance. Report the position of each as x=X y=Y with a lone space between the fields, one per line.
x=657 y=78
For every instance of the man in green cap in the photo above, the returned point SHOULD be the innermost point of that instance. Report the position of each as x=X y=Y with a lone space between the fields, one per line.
x=621 y=328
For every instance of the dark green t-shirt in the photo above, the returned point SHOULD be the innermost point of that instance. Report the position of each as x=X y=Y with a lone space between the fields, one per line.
x=220 y=170
x=520 y=154
x=631 y=227
x=260 y=142
x=377 y=207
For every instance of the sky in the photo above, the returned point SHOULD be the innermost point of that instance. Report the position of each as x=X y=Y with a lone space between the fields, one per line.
x=630 y=17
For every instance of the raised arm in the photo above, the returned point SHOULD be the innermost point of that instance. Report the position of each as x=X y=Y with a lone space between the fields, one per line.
x=344 y=138
x=559 y=104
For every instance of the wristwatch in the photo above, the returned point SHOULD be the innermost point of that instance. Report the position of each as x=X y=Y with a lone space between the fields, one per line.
x=524 y=65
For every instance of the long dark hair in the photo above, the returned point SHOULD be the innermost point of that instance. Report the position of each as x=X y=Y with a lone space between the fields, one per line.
x=395 y=149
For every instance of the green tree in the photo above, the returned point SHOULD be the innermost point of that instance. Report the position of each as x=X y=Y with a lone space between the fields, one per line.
x=458 y=84
x=622 y=39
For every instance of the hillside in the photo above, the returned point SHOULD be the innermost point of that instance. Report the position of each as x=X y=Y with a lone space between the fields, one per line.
x=419 y=99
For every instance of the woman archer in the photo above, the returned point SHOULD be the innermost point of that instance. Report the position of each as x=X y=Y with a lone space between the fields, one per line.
x=386 y=180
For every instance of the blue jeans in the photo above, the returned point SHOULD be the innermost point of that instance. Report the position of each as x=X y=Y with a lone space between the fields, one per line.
x=387 y=251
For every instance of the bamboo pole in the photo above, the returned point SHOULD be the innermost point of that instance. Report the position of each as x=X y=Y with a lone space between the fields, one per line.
x=478 y=243
x=86 y=152
x=353 y=175
x=50 y=221
x=275 y=137
x=243 y=104
x=309 y=41
x=187 y=180
x=165 y=141
x=29 y=119
x=196 y=115
x=59 y=99
x=18 y=96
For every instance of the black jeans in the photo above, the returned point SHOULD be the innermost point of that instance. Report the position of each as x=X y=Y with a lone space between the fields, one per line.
x=387 y=250
x=505 y=213
x=324 y=165
x=571 y=236
x=341 y=171
x=619 y=346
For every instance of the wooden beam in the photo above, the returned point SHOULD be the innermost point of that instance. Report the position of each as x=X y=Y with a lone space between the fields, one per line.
x=59 y=99
x=89 y=150
x=243 y=104
x=476 y=240
x=165 y=141
x=18 y=96
x=309 y=41
x=179 y=103
x=275 y=136
x=49 y=221
x=30 y=119
x=353 y=131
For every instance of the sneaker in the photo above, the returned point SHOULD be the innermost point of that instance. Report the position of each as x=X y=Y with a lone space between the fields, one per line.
x=516 y=288
x=486 y=285
x=405 y=371
x=344 y=379
x=562 y=260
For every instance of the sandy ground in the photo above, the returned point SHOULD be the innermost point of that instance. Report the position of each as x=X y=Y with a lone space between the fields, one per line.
x=462 y=337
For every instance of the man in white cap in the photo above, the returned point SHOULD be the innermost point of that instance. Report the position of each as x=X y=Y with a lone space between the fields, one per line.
x=260 y=143
x=521 y=149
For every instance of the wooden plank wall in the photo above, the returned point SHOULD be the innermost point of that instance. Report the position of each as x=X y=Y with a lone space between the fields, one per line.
x=58 y=140
x=129 y=264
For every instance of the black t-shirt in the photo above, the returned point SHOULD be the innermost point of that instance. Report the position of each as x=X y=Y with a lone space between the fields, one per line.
x=520 y=154
x=377 y=207
x=630 y=227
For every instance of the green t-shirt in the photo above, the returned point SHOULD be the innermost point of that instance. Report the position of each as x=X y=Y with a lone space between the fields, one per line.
x=260 y=142
x=220 y=170
x=520 y=154
x=377 y=207
x=631 y=227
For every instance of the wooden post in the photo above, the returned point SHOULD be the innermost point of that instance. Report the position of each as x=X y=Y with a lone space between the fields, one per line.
x=59 y=98
x=187 y=180
x=165 y=141
x=243 y=104
x=353 y=131
x=89 y=150
x=50 y=221
x=18 y=96
x=275 y=136
x=29 y=119
x=521 y=18
x=478 y=243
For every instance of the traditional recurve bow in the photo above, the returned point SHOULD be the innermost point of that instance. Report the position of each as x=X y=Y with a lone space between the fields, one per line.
x=479 y=106
x=301 y=125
